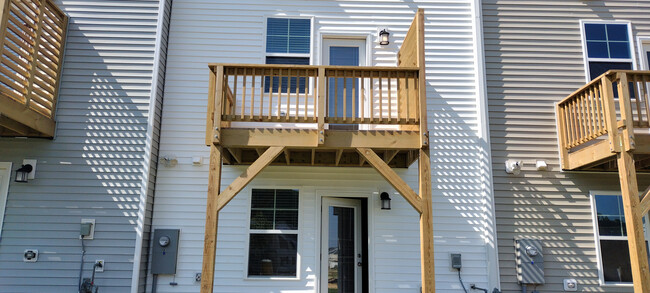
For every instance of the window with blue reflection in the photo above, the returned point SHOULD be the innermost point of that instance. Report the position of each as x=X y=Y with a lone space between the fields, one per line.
x=607 y=40
x=287 y=35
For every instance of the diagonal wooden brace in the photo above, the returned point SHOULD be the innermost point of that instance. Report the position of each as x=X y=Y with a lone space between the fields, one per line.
x=385 y=171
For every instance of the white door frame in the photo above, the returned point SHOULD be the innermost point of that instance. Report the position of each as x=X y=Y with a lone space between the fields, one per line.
x=5 y=177
x=349 y=41
x=643 y=41
x=348 y=203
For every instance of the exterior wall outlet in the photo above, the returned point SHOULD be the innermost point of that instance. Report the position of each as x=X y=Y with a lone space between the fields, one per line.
x=30 y=255
x=32 y=174
x=456 y=262
x=99 y=266
x=570 y=285
x=84 y=232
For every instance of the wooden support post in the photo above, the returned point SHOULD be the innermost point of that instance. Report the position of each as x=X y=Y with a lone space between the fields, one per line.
x=426 y=223
x=627 y=118
x=385 y=171
x=610 y=114
x=211 y=220
x=633 y=222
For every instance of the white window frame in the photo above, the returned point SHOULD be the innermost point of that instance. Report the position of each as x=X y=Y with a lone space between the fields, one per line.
x=597 y=237
x=250 y=231
x=5 y=170
x=309 y=55
x=585 y=55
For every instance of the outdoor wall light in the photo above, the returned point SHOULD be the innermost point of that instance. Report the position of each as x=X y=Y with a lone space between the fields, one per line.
x=23 y=172
x=385 y=201
x=383 y=37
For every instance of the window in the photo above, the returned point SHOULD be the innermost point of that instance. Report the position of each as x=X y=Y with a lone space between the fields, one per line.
x=273 y=246
x=607 y=46
x=611 y=237
x=288 y=41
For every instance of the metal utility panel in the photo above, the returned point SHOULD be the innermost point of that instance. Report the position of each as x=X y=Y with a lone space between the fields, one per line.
x=530 y=261
x=165 y=251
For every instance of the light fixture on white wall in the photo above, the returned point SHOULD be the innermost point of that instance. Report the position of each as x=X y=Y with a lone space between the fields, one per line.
x=383 y=37
x=513 y=167
x=385 y=201
x=22 y=173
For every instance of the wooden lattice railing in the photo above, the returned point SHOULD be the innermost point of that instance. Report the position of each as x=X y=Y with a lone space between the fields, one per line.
x=614 y=101
x=307 y=94
x=32 y=38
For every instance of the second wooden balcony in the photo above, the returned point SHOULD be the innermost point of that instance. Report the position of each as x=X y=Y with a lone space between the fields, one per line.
x=608 y=115
x=321 y=114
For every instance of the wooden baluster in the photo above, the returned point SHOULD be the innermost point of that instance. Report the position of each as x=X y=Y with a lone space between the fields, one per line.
x=286 y=114
x=574 y=124
x=271 y=81
x=599 y=109
x=644 y=94
x=336 y=95
x=372 y=97
x=567 y=125
x=584 y=112
x=354 y=96
x=592 y=113
x=280 y=95
x=345 y=97
x=635 y=94
x=243 y=96
x=406 y=96
x=381 y=97
x=253 y=78
x=262 y=94
x=362 y=95
x=398 y=96
x=315 y=94
x=234 y=93
x=416 y=99
x=390 y=96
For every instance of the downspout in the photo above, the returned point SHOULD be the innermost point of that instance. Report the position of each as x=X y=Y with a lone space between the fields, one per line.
x=164 y=5
x=489 y=224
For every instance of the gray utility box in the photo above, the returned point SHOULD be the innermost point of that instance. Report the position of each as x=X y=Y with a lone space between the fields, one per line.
x=165 y=251
x=530 y=261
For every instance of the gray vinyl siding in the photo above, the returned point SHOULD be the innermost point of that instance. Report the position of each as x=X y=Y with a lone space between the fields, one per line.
x=534 y=58
x=204 y=31
x=94 y=167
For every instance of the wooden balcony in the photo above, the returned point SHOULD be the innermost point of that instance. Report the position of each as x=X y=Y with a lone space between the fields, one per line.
x=596 y=121
x=321 y=114
x=32 y=38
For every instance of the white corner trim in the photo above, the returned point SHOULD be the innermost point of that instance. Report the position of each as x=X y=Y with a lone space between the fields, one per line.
x=491 y=245
x=5 y=170
x=146 y=164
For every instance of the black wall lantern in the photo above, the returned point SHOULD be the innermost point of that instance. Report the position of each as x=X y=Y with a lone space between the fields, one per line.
x=385 y=201
x=23 y=172
x=383 y=37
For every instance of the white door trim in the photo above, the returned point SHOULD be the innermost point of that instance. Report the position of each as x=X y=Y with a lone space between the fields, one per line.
x=339 y=202
x=643 y=41
x=5 y=176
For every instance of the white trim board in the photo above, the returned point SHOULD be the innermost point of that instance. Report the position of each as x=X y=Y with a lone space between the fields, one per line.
x=5 y=178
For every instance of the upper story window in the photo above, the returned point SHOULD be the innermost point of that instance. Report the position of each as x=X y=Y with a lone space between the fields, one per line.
x=273 y=242
x=611 y=238
x=288 y=41
x=607 y=46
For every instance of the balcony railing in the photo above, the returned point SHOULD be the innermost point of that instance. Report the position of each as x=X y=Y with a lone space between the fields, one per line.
x=608 y=108
x=298 y=95
x=32 y=37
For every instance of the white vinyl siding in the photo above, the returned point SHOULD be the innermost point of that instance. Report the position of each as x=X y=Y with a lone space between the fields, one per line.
x=94 y=166
x=205 y=31
x=534 y=58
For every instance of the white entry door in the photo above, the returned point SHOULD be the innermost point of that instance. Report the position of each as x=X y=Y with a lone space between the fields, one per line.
x=5 y=176
x=341 y=253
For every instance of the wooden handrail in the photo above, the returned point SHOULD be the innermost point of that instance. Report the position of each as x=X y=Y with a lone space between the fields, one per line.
x=301 y=94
